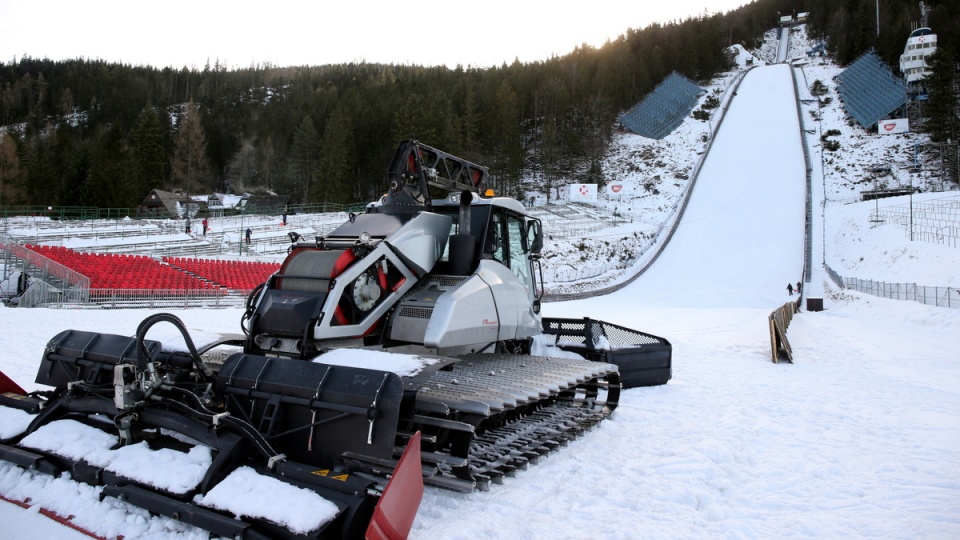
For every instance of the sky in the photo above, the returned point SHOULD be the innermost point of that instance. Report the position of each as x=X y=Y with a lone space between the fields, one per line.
x=856 y=439
x=241 y=33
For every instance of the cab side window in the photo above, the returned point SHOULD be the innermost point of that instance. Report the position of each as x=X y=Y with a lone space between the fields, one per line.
x=518 y=262
x=495 y=245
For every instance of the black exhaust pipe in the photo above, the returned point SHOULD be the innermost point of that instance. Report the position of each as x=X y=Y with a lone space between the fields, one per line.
x=463 y=246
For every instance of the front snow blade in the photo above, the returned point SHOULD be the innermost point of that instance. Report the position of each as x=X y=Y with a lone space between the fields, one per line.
x=393 y=517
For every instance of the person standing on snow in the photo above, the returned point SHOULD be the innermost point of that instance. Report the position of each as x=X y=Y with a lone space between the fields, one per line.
x=23 y=283
x=790 y=289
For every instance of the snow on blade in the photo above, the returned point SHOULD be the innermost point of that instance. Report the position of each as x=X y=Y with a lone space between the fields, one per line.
x=246 y=493
x=166 y=469
x=544 y=345
x=71 y=439
x=13 y=422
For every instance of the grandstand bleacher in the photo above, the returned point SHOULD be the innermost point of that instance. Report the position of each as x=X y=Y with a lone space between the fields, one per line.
x=119 y=271
x=869 y=90
x=238 y=275
x=663 y=109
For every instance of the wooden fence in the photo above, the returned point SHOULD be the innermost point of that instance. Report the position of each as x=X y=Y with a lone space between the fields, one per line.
x=779 y=321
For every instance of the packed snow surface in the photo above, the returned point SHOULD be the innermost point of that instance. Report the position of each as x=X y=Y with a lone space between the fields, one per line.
x=857 y=439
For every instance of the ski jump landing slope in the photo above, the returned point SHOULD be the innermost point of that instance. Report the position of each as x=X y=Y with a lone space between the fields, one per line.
x=740 y=240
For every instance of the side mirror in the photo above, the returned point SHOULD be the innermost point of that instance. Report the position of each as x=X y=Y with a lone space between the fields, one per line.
x=534 y=236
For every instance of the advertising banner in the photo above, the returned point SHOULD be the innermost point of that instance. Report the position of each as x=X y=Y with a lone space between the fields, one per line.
x=614 y=188
x=893 y=126
x=583 y=192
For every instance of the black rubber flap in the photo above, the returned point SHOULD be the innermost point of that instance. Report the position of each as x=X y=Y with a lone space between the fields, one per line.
x=314 y=412
x=287 y=313
x=87 y=356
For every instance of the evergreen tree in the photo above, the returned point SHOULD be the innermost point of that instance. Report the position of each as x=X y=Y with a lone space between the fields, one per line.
x=190 y=168
x=941 y=107
x=304 y=155
x=114 y=164
x=149 y=152
x=8 y=102
x=505 y=140
x=76 y=187
x=470 y=119
x=337 y=177
x=243 y=172
x=415 y=119
x=39 y=184
x=550 y=157
x=9 y=170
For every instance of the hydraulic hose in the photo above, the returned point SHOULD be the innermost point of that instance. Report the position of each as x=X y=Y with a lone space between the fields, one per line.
x=143 y=355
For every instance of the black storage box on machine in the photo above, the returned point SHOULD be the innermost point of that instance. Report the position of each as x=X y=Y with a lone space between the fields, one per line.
x=643 y=359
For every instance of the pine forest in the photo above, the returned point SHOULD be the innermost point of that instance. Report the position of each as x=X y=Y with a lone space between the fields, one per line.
x=87 y=132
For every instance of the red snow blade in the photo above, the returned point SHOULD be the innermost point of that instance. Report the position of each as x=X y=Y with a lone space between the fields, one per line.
x=7 y=385
x=394 y=514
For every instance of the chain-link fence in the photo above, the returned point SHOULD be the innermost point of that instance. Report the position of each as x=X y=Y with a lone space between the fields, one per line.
x=932 y=296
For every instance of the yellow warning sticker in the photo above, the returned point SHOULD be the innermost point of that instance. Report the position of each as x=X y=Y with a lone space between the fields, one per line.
x=326 y=472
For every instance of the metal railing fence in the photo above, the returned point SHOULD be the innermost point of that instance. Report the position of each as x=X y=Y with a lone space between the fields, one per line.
x=83 y=213
x=43 y=295
x=935 y=222
x=49 y=277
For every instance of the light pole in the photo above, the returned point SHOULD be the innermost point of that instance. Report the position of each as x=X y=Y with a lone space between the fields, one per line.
x=911 y=208
x=241 y=236
x=878 y=18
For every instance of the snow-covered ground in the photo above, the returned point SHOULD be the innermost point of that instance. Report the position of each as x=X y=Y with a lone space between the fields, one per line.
x=857 y=439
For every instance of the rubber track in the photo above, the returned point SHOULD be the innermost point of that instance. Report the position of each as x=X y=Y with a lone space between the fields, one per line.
x=531 y=406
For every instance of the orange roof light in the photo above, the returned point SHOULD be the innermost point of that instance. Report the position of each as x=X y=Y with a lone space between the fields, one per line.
x=488 y=193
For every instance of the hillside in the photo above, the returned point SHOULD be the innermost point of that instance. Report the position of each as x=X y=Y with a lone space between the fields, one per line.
x=656 y=174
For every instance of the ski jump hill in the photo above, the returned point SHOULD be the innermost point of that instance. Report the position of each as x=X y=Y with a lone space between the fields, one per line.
x=740 y=240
